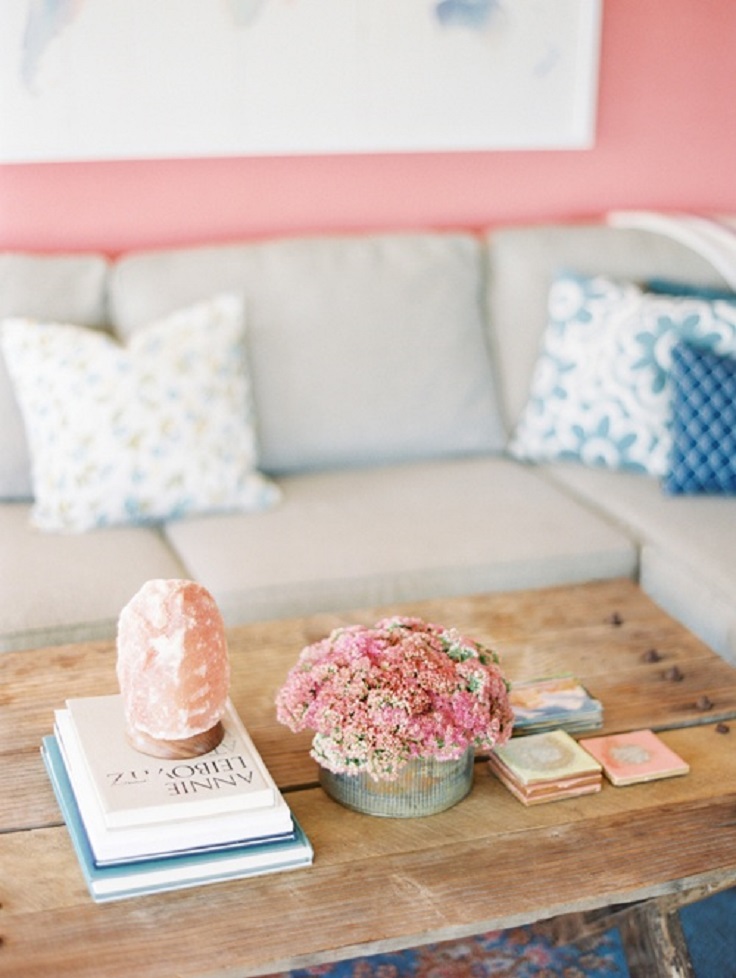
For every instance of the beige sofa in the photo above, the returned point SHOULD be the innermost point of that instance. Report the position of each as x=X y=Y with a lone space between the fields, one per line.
x=387 y=373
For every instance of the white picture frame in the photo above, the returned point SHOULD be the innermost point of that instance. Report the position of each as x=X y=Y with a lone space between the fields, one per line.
x=132 y=79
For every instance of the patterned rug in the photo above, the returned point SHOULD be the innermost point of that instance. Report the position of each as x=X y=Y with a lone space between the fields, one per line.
x=517 y=953
x=526 y=952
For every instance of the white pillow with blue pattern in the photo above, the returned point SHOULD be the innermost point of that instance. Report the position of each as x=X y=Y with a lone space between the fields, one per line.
x=152 y=431
x=601 y=393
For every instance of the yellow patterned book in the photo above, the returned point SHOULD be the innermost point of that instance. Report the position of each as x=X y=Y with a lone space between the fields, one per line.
x=545 y=767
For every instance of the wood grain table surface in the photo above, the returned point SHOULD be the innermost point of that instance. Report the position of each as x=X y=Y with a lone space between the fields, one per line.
x=381 y=884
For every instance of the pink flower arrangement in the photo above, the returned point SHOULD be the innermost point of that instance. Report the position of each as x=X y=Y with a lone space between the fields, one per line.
x=378 y=697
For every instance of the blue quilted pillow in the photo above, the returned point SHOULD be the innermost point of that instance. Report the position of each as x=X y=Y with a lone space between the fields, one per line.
x=703 y=456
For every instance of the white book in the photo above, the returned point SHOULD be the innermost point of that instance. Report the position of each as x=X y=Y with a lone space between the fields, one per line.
x=136 y=789
x=147 y=841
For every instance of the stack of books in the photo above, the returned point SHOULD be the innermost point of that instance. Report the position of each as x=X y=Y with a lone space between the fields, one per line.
x=555 y=703
x=545 y=767
x=142 y=824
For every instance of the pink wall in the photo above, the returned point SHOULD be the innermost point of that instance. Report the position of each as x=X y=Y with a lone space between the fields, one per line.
x=666 y=139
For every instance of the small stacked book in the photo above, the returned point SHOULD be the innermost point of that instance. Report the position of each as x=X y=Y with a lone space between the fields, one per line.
x=630 y=758
x=143 y=824
x=545 y=767
x=558 y=702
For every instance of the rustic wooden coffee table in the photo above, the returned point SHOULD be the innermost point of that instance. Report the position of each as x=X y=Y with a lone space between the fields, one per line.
x=627 y=854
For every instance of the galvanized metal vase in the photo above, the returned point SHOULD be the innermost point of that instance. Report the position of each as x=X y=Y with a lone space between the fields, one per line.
x=425 y=786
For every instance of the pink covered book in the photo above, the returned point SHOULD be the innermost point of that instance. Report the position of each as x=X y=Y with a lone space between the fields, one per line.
x=628 y=758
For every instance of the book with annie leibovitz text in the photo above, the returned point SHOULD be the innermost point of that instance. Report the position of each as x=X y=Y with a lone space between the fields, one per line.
x=153 y=839
x=136 y=789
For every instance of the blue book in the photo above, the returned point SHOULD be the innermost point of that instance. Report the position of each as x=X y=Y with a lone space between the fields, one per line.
x=170 y=872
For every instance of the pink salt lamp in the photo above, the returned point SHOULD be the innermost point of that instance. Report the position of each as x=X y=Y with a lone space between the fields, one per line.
x=173 y=669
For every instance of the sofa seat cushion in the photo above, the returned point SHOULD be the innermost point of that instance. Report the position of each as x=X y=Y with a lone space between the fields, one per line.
x=367 y=537
x=690 y=595
x=692 y=536
x=364 y=350
x=58 y=588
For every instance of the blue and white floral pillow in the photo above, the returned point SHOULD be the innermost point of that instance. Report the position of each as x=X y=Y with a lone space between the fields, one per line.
x=601 y=392
x=155 y=430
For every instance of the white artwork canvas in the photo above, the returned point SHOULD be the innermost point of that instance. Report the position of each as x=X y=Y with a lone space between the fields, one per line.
x=122 y=79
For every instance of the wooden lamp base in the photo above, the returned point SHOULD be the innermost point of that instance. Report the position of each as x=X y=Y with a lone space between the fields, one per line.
x=174 y=750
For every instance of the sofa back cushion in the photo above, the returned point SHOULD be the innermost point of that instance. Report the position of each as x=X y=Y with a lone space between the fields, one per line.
x=365 y=349
x=68 y=288
x=523 y=262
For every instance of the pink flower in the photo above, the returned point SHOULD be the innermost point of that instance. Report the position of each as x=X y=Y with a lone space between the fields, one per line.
x=377 y=697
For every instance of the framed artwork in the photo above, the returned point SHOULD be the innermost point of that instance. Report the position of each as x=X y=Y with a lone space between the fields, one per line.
x=122 y=79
